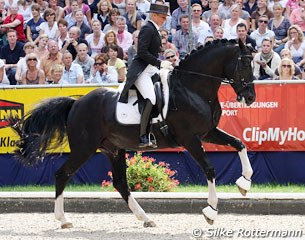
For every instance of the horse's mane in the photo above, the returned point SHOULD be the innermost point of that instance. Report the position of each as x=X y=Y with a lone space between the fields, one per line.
x=206 y=48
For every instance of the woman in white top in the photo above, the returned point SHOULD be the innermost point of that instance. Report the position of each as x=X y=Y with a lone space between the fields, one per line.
x=96 y=39
x=229 y=25
x=25 y=10
x=50 y=26
x=3 y=78
x=103 y=73
x=63 y=32
x=9 y=3
x=296 y=44
x=121 y=4
x=42 y=51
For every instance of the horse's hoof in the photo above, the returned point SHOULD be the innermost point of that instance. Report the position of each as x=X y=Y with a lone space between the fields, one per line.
x=67 y=225
x=210 y=214
x=209 y=221
x=149 y=224
x=242 y=191
x=243 y=185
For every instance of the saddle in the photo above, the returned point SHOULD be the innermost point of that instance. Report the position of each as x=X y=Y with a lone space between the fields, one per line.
x=130 y=113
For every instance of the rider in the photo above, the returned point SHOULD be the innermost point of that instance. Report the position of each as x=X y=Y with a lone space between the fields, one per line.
x=145 y=65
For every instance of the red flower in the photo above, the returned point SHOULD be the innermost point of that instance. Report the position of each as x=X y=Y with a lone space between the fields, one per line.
x=162 y=164
x=151 y=189
x=137 y=186
x=150 y=179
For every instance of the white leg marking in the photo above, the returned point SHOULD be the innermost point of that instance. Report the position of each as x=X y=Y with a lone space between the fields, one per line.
x=212 y=197
x=137 y=210
x=59 y=212
x=245 y=163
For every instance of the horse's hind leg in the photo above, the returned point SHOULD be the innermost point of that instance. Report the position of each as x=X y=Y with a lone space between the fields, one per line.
x=220 y=137
x=118 y=161
x=193 y=145
x=77 y=157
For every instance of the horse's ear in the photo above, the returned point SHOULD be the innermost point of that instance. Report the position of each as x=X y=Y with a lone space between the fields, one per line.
x=242 y=46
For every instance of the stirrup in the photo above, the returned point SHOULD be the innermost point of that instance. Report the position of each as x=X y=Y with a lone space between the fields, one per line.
x=152 y=142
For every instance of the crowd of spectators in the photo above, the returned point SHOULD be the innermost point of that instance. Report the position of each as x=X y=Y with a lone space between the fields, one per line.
x=94 y=41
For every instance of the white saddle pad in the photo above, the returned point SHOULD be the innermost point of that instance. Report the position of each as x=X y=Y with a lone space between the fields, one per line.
x=128 y=113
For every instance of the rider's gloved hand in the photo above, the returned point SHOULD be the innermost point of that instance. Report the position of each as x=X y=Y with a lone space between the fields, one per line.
x=167 y=65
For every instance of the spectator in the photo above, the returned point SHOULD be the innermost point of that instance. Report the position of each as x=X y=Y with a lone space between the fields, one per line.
x=167 y=23
x=3 y=78
x=266 y=61
x=279 y=25
x=215 y=22
x=170 y=55
x=84 y=28
x=290 y=6
x=116 y=62
x=132 y=51
x=182 y=10
x=11 y=53
x=132 y=16
x=86 y=11
x=58 y=10
x=53 y=57
x=15 y=21
x=73 y=73
x=33 y=75
x=241 y=30
x=250 y=6
x=143 y=7
x=286 y=70
x=296 y=44
x=3 y=12
x=198 y=25
x=24 y=9
x=262 y=10
x=214 y=5
x=244 y=14
x=218 y=33
x=112 y=17
x=32 y=27
x=297 y=16
x=42 y=51
x=49 y=27
x=103 y=10
x=21 y=67
x=103 y=73
x=285 y=53
x=121 y=6
x=167 y=45
x=111 y=38
x=57 y=71
x=181 y=39
x=96 y=39
x=43 y=6
x=70 y=18
x=224 y=8
x=63 y=32
x=73 y=41
x=262 y=32
x=124 y=37
x=208 y=39
x=229 y=25
x=84 y=60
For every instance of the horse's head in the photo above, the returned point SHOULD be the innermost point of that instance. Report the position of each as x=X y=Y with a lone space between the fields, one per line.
x=243 y=77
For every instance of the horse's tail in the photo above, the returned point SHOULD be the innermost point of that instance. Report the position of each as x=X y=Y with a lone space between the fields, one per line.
x=43 y=128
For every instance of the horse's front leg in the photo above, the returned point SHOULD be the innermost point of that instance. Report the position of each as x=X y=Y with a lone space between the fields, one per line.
x=220 y=137
x=118 y=162
x=193 y=145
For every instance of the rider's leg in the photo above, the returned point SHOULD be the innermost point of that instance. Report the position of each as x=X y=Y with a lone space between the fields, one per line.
x=146 y=88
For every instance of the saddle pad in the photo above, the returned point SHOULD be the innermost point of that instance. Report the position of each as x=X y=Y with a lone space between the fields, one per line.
x=128 y=113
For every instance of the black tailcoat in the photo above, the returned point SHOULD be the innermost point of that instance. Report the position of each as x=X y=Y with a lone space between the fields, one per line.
x=149 y=47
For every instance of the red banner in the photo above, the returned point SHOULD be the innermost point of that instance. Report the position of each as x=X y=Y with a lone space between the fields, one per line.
x=274 y=122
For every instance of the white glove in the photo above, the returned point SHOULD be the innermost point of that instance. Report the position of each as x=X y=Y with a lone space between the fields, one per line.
x=167 y=65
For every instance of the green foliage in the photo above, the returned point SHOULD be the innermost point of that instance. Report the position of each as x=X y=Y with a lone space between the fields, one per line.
x=144 y=175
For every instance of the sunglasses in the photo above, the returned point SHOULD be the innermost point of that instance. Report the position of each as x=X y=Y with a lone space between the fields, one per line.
x=169 y=57
x=195 y=10
x=263 y=21
x=32 y=59
x=50 y=15
x=98 y=63
x=286 y=66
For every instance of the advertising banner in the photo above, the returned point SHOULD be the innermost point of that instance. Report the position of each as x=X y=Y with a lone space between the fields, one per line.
x=275 y=122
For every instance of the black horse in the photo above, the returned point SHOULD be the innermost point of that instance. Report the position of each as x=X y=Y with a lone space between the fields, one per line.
x=193 y=116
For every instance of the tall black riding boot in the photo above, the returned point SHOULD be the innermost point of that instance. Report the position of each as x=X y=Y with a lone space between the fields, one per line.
x=145 y=118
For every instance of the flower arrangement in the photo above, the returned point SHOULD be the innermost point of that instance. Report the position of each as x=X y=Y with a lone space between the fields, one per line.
x=145 y=175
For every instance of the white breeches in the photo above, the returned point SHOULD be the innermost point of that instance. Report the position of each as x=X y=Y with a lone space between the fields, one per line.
x=144 y=83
